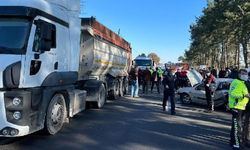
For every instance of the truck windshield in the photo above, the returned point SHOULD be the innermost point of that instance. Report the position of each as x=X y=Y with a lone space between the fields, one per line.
x=143 y=62
x=13 y=37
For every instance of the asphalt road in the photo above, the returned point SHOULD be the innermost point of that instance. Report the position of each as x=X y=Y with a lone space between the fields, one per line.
x=134 y=124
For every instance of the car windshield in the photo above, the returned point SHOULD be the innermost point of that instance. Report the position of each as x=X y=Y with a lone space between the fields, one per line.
x=143 y=62
x=13 y=36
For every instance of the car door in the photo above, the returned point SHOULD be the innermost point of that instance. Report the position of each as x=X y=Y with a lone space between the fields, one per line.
x=198 y=94
x=221 y=93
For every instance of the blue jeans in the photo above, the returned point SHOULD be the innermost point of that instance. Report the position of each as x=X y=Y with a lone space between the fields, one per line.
x=134 y=88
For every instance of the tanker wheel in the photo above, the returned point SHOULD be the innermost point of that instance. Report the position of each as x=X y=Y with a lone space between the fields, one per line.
x=121 y=89
x=56 y=114
x=101 y=96
x=125 y=87
x=116 y=90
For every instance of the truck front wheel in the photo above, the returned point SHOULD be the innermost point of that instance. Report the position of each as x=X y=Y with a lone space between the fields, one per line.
x=56 y=114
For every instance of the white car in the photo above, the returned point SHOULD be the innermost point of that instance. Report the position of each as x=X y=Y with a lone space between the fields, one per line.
x=196 y=93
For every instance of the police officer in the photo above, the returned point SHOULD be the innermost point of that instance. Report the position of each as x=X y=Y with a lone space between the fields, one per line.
x=169 y=89
x=160 y=72
x=151 y=70
x=238 y=98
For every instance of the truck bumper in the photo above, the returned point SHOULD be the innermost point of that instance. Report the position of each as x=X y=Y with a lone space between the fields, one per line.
x=8 y=129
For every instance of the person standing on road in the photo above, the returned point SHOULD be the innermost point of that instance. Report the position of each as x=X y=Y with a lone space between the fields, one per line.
x=156 y=79
x=183 y=78
x=177 y=79
x=133 y=74
x=160 y=73
x=209 y=80
x=246 y=130
x=222 y=73
x=146 y=80
x=238 y=99
x=151 y=70
x=140 y=78
x=234 y=73
x=214 y=72
x=168 y=83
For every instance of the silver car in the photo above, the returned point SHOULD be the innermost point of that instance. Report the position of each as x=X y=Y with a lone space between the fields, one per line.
x=196 y=93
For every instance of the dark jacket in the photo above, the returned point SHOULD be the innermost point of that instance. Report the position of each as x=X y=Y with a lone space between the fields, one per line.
x=133 y=74
x=155 y=73
x=208 y=80
x=234 y=74
x=248 y=88
x=168 y=82
x=146 y=75
x=222 y=73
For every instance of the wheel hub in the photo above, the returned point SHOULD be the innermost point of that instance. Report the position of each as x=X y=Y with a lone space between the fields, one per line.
x=56 y=113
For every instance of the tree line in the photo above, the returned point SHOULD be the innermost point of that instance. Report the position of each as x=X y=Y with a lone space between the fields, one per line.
x=220 y=36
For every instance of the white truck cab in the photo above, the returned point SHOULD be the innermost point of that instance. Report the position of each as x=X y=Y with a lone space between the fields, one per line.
x=41 y=79
x=35 y=38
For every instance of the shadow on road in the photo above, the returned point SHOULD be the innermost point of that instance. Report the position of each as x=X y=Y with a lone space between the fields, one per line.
x=137 y=123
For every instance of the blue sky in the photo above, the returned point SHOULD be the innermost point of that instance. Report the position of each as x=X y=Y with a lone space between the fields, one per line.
x=159 y=26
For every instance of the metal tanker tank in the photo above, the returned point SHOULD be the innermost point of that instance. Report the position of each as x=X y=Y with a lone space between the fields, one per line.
x=102 y=51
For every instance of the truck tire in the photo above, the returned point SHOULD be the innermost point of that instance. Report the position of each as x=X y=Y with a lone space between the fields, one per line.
x=55 y=115
x=114 y=93
x=116 y=90
x=125 y=87
x=121 y=89
x=101 y=96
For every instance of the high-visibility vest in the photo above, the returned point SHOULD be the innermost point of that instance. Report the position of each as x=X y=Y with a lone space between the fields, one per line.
x=236 y=92
x=160 y=72
x=151 y=71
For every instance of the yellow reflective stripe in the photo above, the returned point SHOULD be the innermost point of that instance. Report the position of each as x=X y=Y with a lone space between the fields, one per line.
x=99 y=61
x=236 y=97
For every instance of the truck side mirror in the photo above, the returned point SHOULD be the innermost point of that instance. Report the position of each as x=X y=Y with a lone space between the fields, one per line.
x=45 y=36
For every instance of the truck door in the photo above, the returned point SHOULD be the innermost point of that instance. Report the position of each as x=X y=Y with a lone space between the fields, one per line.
x=41 y=56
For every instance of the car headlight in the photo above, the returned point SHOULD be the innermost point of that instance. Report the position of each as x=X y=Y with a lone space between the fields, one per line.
x=16 y=101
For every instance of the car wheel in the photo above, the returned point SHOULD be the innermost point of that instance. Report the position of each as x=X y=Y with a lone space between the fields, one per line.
x=185 y=98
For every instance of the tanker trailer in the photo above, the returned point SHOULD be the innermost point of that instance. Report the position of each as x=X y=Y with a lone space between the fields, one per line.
x=105 y=57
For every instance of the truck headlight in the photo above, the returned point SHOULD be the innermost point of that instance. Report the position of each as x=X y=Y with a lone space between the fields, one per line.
x=17 y=115
x=5 y=132
x=13 y=132
x=16 y=101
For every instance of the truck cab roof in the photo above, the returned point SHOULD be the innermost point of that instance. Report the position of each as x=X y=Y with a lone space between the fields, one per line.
x=28 y=8
x=142 y=58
